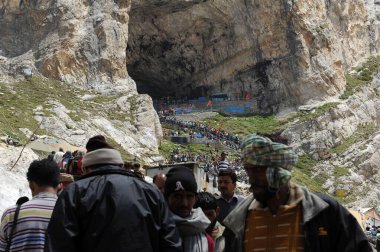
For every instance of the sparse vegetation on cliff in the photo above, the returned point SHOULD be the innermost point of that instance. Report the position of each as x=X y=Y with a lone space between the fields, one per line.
x=309 y=115
x=167 y=147
x=245 y=125
x=360 y=76
x=302 y=174
x=19 y=101
x=363 y=132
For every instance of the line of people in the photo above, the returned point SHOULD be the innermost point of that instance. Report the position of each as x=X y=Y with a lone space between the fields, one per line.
x=110 y=208
x=205 y=130
x=68 y=162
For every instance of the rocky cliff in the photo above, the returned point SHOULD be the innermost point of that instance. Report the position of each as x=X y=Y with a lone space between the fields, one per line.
x=75 y=41
x=82 y=44
x=285 y=53
x=344 y=142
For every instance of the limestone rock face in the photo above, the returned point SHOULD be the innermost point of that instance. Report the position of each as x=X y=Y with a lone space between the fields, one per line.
x=83 y=44
x=138 y=132
x=338 y=123
x=75 y=41
x=356 y=118
x=285 y=53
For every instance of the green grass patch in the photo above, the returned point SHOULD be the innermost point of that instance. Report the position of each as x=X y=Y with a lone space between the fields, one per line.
x=353 y=195
x=310 y=115
x=126 y=156
x=363 y=132
x=133 y=107
x=16 y=111
x=340 y=171
x=101 y=99
x=117 y=114
x=302 y=174
x=167 y=147
x=18 y=100
x=245 y=125
x=313 y=184
x=352 y=84
x=305 y=164
x=75 y=116
x=364 y=75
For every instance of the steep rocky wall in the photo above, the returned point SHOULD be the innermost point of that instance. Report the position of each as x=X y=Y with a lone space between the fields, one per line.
x=285 y=53
x=79 y=42
x=83 y=44
x=338 y=123
x=373 y=9
x=345 y=137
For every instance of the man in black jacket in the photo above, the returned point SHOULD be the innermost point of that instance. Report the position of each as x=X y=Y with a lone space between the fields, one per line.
x=110 y=209
x=281 y=216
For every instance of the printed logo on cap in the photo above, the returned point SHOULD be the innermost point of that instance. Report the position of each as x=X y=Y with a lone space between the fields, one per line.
x=179 y=186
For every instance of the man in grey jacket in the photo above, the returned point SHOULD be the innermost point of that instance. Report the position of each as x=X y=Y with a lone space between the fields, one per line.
x=281 y=216
x=181 y=193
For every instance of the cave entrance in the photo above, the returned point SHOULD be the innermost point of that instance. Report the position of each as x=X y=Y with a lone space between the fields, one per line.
x=159 y=63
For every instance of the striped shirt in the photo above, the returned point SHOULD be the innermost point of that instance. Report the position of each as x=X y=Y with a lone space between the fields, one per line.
x=223 y=164
x=32 y=223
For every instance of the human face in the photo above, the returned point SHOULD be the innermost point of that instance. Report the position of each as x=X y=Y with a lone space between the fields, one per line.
x=210 y=214
x=181 y=203
x=226 y=186
x=259 y=183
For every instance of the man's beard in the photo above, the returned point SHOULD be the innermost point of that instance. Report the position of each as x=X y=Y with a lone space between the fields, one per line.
x=262 y=193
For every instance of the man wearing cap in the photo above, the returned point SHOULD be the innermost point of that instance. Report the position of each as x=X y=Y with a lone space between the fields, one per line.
x=282 y=216
x=110 y=209
x=64 y=180
x=181 y=193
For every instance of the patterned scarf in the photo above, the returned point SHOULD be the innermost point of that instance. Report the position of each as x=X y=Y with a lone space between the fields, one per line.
x=279 y=158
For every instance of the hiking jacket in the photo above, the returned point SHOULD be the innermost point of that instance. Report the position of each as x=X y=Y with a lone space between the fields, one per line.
x=327 y=225
x=110 y=209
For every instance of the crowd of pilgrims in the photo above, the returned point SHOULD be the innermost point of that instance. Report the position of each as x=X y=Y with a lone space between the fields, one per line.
x=200 y=130
x=71 y=168
x=210 y=163
x=110 y=207
x=68 y=162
